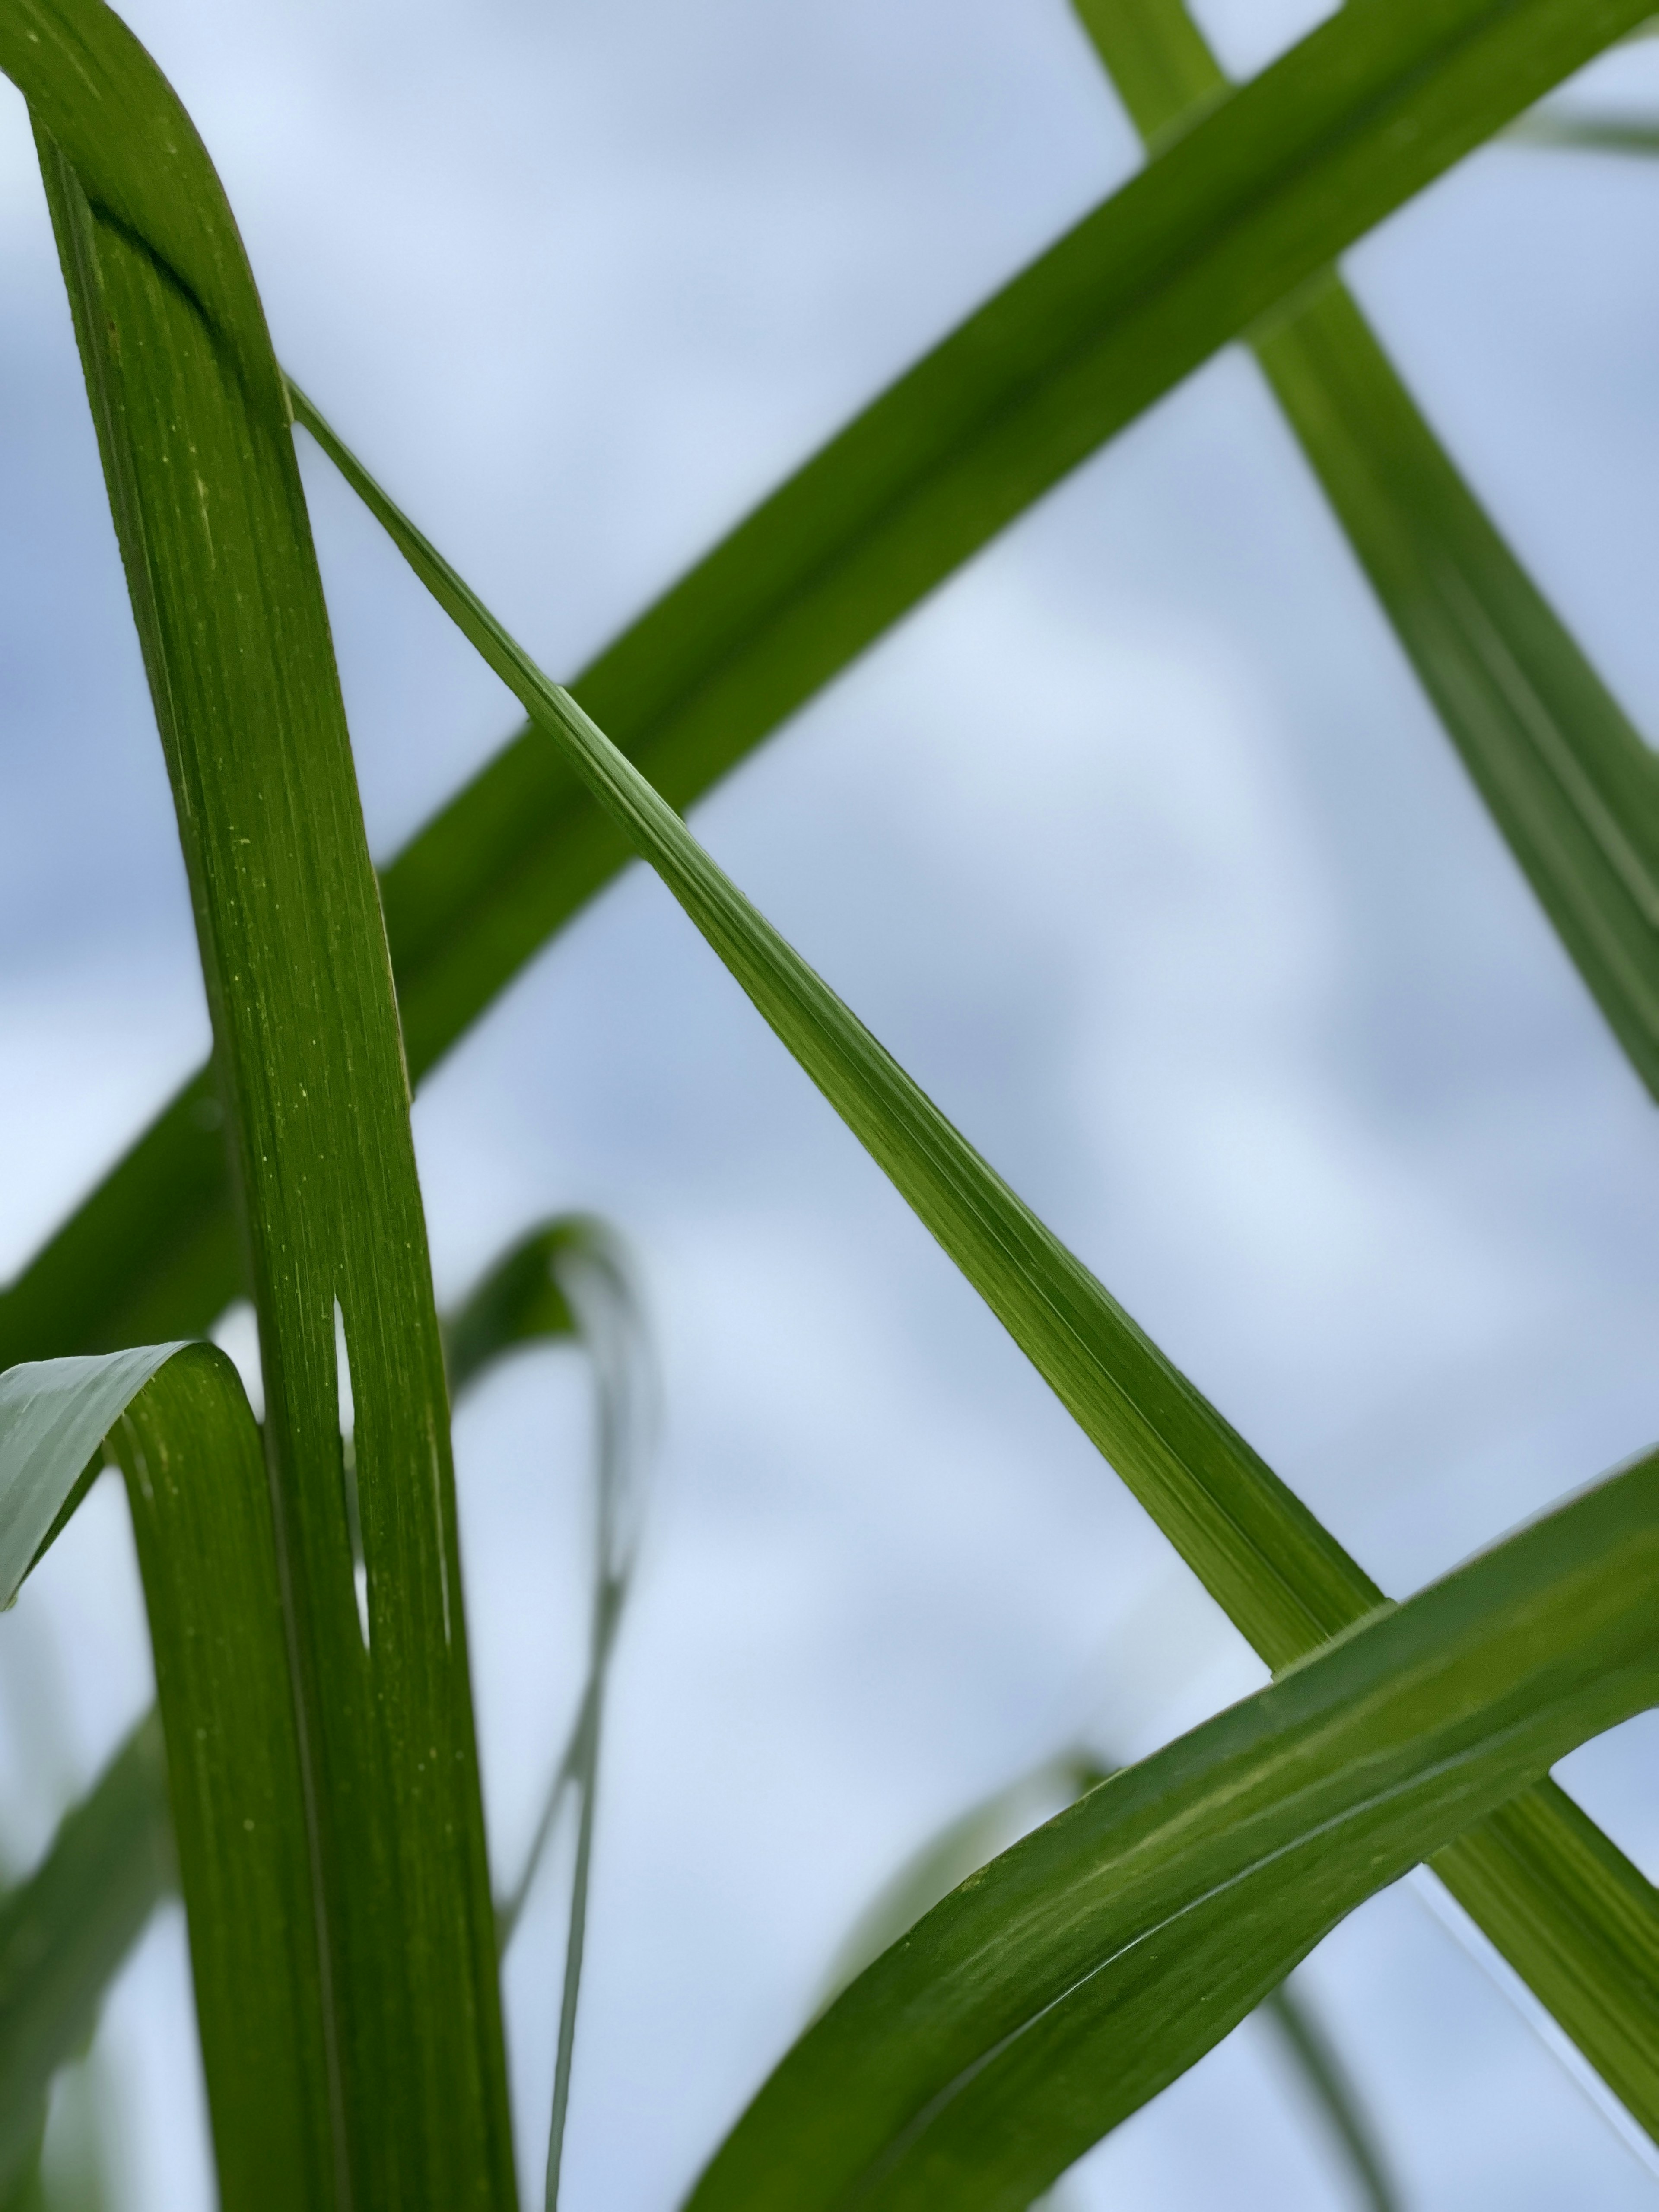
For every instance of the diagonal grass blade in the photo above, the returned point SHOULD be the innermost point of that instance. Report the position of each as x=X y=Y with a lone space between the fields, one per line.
x=1348 y=125
x=1059 y=1989
x=1576 y=1921
x=1568 y=782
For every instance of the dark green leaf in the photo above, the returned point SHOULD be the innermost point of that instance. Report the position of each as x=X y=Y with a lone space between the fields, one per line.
x=1348 y=125
x=1576 y=792
x=1577 y=1920
x=1587 y=134
x=193 y=431
x=1055 y=1992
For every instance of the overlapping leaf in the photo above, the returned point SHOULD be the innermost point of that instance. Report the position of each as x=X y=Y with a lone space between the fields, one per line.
x=1349 y=125
x=193 y=431
x=1055 y=1992
x=1570 y=783
x=1577 y=1922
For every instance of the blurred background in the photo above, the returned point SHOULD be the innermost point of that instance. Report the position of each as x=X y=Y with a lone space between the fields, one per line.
x=1136 y=844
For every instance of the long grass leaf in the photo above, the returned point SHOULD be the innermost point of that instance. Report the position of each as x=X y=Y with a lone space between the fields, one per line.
x=1055 y=1992
x=1576 y=791
x=193 y=431
x=967 y=1843
x=177 y=1421
x=573 y=1278
x=1568 y=782
x=1348 y=125
x=1281 y=1577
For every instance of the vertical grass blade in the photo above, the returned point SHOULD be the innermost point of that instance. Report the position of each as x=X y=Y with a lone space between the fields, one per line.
x=179 y=1423
x=1335 y=136
x=1578 y=1921
x=194 y=434
x=573 y=1278
x=1570 y=783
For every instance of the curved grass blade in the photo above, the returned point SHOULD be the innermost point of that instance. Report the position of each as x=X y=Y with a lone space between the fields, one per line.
x=194 y=435
x=80 y=1918
x=1576 y=1919
x=573 y=1278
x=65 y=1931
x=177 y=1421
x=1576 y=791
x=968 y=1843
x=1344 y=129
x=1570 y=783
x=1055 y=1992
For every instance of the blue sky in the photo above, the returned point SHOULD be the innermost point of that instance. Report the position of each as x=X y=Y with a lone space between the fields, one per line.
x=1136 y=844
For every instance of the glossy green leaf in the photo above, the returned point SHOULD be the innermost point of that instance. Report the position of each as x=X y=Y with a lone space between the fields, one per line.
x=965 y=1845
x=194 y=435
x=1056 y=1992
x=1576 y=792
x=65 y=1931
x=1568 y=782
x=1379 y=101
x=1576 y=1919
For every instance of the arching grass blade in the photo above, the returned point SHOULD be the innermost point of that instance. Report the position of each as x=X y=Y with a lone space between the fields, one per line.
x=1055 y=1992
x=1283 y=1579
x=193 y=431
x=1344 y=128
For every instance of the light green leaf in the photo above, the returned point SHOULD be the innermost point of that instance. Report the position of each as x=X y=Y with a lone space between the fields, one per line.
x=194 y=435
x=1575 y=1919
x=1344 y=128
x=1055 y=1992
x=966 y=1844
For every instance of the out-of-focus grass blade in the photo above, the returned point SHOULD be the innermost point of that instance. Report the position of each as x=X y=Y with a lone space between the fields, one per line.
x=1374 y=105
x=1055 y=1992
x=1570 y=783
x=65 y=1931
x=1283 y=1579
x=573 y=1278
x=1587 y=134
x=179 y=1423
x=1576 y=791
x=196 y=445
x=965 y=1845
x=517 y=1302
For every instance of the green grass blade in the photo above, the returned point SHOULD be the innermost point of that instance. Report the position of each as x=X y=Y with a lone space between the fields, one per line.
x=65 y=1931
x=1344 y=129
x=517 y=1302
x=1576 y=792
x=573 y=1278
x=1057 y=1991
x=179 y=1423
x=1581 y=1929
x=194 y=435
x=1570 y=783
x=968 y=1843
x=1315 y=2058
